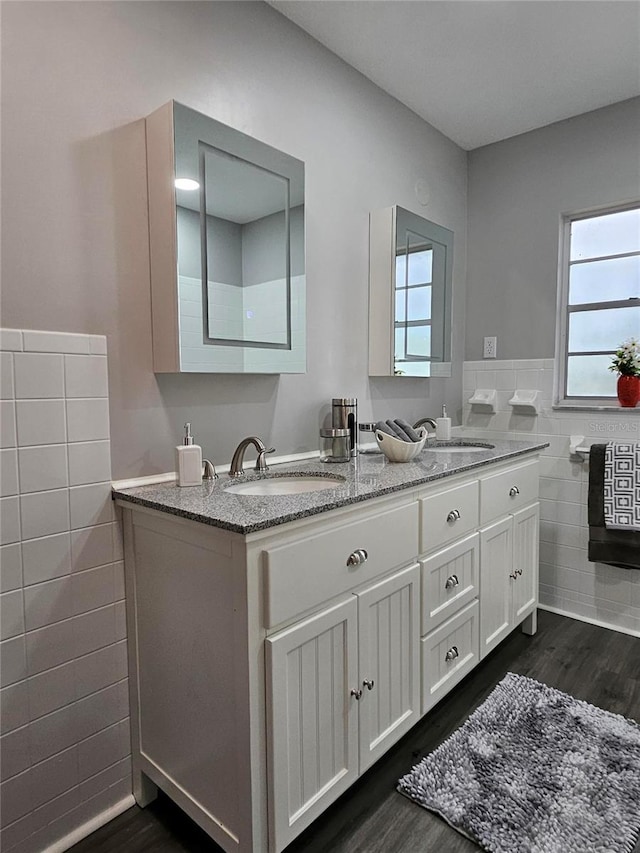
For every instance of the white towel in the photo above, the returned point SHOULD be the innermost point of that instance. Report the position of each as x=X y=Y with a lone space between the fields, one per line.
x=622 y=486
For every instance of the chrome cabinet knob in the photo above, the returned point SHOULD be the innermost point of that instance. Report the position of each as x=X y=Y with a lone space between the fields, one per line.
x=357 y=694
x=513 y=491
x=454 y=515
x=358 y=557
x=515 y=574
x=369 y=683
x=451 y=582
x=452 y=654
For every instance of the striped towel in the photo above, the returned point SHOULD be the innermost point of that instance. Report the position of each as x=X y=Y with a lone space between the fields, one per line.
x=622 y=486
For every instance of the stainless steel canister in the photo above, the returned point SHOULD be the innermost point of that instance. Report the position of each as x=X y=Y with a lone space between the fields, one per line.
x=334 y=445
x=344 y=415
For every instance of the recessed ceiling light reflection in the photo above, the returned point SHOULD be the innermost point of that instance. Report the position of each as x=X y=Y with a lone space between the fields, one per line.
x=186 y=184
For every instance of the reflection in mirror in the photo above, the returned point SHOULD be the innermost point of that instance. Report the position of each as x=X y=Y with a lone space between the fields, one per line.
x=239 y=248
x=410 y=295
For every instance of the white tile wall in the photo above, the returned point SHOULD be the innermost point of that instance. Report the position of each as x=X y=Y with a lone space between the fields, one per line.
x=568 y=581
x=64 y=731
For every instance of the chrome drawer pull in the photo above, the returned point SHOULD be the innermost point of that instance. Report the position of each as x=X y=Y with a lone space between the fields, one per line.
x=452 y=582
x=369 y=683
x=513 y=491
x=454 y=515
x=358 y=557
x=357 y=694
x=452 y=654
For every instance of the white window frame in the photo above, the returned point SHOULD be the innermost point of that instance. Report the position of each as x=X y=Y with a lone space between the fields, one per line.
x=561 y=401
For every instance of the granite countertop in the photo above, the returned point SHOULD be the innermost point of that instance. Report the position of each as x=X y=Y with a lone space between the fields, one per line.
x=368 y=476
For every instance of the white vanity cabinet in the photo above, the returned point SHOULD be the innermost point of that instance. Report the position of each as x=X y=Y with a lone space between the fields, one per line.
x=450 y=584
x=477 y=589
x=508 y=552
x=269 y=670
x=342 y=686
x=509 y=555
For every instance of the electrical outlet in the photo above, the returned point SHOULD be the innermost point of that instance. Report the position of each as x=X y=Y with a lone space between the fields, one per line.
x=490 y=346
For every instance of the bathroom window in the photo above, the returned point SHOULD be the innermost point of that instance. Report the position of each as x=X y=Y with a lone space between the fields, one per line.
x=600 y=301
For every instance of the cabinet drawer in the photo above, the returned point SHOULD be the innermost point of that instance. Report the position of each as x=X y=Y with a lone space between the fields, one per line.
x=508 y=491
x=304 y=573
x=448 y=654
x=448 y=515
x=449 y=581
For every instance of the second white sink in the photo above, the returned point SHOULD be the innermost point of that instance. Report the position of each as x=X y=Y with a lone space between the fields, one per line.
x=286 y=485
x=458 y=448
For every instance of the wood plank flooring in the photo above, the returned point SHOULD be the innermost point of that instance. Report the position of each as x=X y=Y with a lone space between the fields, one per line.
x=590 y=663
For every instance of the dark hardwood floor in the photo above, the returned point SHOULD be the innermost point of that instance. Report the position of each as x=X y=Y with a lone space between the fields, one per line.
x=590 y=663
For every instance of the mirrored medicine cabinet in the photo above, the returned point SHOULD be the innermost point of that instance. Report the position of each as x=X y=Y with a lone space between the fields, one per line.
x=226 y=231
x=410 y=284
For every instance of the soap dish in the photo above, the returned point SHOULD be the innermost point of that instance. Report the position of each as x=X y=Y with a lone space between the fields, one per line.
x=484 y=399
x=526 y=401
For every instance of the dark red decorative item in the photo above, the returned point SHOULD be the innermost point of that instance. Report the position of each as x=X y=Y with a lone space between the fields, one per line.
x=628 y=390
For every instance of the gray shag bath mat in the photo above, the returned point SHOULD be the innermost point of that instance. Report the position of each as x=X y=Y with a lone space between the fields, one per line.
x=534 y=770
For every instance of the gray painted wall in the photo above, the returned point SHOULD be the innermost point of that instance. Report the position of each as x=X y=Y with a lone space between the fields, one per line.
x=518 y=191
x=78 y=79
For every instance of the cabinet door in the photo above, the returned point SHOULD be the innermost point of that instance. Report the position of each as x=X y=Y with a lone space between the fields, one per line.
x=525 y=562
x=389 y=648
x=312 y=718
x=496 y=558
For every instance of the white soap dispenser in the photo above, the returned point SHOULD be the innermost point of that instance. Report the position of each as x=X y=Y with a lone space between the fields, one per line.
x=189 y=460
x=443 y=426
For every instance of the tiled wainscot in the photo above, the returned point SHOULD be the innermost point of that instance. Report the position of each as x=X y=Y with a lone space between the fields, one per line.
x=64 y=699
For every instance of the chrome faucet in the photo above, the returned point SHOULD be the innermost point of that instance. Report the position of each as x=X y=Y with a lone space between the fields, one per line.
x=236 y=469
x=424 y=421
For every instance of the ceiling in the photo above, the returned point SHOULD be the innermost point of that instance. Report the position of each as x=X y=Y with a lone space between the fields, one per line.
x=484 y=70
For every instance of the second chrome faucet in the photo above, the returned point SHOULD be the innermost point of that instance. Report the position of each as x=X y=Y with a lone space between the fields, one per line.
x=236 y=469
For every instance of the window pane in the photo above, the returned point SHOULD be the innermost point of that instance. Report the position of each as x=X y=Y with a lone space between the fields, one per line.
x=401 y=269
x=399 y=338
x=419 y=303
x=589 y=376
x=401 y=314
x=602 y=330
x=419 y=340
x=611 y=234
x=604 y=281
x=420 y=267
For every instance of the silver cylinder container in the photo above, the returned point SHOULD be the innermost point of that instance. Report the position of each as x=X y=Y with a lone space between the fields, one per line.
x=334 y=445
x=344 y=415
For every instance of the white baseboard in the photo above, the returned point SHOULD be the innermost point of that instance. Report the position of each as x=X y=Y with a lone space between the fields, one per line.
x=91 y=825
x=619 y=628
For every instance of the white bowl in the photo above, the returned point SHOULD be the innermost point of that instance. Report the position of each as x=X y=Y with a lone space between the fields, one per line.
x=397 y=450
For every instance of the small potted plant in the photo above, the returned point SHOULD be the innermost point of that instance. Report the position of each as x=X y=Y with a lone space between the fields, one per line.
x=626 y=364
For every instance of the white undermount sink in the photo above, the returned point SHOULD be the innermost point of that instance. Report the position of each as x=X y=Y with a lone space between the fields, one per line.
x=285 y=485
x=458 y=448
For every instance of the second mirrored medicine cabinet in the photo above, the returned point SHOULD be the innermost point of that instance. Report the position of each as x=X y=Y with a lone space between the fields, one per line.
x=410 y=295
